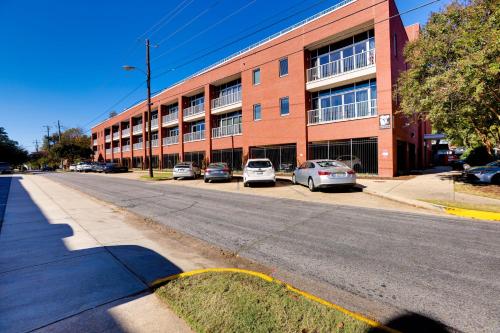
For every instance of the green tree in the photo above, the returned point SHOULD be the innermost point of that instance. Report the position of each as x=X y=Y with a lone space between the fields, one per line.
x=453 y=77
x=10 y=151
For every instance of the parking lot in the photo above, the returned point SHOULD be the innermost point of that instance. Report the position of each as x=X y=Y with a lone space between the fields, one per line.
x=284 y=189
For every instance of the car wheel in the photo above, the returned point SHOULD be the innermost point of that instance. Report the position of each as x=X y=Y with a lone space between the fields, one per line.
x=310 y=184
x=246 y=184
x=294 y=180
x=174 y=178
x=206 y=180
x=495 y=179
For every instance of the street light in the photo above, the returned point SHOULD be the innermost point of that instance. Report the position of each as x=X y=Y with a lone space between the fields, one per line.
x=148 y=81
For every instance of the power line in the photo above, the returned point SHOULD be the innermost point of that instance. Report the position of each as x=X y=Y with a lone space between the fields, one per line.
x=225 y=18
x=187 y=24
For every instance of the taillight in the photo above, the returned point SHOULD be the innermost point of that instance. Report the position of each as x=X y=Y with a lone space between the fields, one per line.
x=226 y=170
x=351 y=172
x=324 y=173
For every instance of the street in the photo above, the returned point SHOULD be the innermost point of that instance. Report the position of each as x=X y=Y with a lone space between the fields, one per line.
x=367 y=259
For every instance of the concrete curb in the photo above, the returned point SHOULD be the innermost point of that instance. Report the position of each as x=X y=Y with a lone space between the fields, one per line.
x=157 y=283
x=414 y=203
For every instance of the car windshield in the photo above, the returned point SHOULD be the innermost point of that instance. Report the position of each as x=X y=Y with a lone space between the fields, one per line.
x=182 y=166
x=217 y=165
x=494 y=164
x=259 y=164
x=330 y=164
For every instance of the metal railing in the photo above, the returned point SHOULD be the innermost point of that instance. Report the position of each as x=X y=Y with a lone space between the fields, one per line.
x=222 y=131
x=137 y=145
x=154 y=123
x=108 y=151
x=108 y=138
x=137 y=129
x=116 y=149
x=170 y=140
x=170 y=117
x=126 y=131
x=154 y=143
x=126 y=148
x=343 y=112
x=95 y=142
x=116 y=135
x=341 y=66
x=194 y=110
x=194 y=136
x=226 y=100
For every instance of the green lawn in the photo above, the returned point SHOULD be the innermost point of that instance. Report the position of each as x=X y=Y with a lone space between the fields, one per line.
x=235 y=302
x=158 y=175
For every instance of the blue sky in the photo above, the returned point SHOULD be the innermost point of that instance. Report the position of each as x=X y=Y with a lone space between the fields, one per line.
x=61 y=60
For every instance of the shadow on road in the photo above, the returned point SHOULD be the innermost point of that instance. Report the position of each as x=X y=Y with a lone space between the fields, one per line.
x=42 y=280
x=413 y=323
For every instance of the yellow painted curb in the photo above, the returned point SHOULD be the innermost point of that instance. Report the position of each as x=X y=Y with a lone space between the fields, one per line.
x=476 y=214
x=265 y=277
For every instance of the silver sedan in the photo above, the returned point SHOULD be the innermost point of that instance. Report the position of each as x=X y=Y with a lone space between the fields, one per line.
x=324 y=173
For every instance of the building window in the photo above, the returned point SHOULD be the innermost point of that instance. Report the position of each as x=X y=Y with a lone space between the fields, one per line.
x=256 y=76
x=284 y=106
x=257 y=112
x=283 y=67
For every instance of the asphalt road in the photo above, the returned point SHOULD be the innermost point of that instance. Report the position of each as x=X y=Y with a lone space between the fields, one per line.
x=447 y=269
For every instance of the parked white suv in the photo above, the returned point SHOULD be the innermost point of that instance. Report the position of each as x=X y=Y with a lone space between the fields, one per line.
x=259 y=170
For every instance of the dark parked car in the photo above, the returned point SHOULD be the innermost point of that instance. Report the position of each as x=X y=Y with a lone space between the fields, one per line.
x=218 y=171
x=98 y=167
x=5 y=168
x=114 y=168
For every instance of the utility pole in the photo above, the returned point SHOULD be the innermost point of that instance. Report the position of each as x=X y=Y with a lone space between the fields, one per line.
x=36 y=145
x=59 y=130
x=150 y=144
x=48 y=136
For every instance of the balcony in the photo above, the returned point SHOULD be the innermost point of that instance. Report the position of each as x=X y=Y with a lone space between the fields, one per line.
x=94 y=142
x=137 y=146
x=108 y=151
x=108 y=138
x=126 y=132
x=116 y=135
x=194 y=112
x=220 y=132
x=357 y=67
x=194 y=136
x=126 y=148
x=226 y=103
x=170 y=140
x=154 y=124
x=116 y=149
x=154 y=143
x=170 y=119
x=137 y=129
x=359 y=110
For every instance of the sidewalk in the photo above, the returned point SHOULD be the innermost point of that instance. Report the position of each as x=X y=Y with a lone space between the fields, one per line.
x=70 y=263
x=434 y=186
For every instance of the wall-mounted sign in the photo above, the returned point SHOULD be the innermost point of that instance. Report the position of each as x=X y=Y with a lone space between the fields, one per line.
x=384 y=121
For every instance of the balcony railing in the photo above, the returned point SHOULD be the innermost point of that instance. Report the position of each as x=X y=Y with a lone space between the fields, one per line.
x=154 y=124
x=170 y=117
x=222 y=131
x=116 y=135
x=116 y=149
x=95 y=142
x=194 y=110
x=137 y=145
x=170 y=140
x=343 y=112
x=108 y=151
x=154 y=143
x=108 y=137
x=226 y=100
x=126 y=148
x=341 y=66
x=137 y=129
x=194 y=136
x=125 y=131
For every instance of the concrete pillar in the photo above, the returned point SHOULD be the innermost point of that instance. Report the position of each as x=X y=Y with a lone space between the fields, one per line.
x=208 y=121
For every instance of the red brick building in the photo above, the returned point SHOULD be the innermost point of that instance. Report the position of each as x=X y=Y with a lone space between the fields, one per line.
x=322 y=88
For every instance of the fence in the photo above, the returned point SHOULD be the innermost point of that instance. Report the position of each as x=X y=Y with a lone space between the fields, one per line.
x=233 y=157
x=155 y=162
x=284 y=157
x=169 y=160
x=360 y=154
x=137 y=162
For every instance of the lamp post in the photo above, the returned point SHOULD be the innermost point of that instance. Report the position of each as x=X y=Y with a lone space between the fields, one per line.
x=148 y=81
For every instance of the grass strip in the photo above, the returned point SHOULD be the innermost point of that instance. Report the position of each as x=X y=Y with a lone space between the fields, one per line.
x=158 y=176
x=234 y=302
x=487 y=191
x=464 y=205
